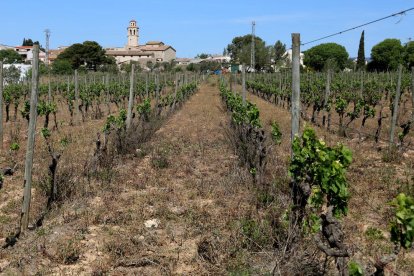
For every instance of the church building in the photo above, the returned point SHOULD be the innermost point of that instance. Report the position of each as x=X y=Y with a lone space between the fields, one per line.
x=155 y=51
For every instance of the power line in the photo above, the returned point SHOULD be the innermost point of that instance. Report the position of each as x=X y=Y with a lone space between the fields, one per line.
x=359 y=26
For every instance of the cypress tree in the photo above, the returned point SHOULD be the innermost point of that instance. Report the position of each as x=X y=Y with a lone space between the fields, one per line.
x=361 y=53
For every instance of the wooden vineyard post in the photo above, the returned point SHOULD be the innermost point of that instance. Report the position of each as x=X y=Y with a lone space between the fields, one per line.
x=108 y=95
x=146 y=84
x=175 y=91
x=49 y=93
x=295 y=108
x=244 y=83
x=1 y=105
x=24 y=219
x=326 y=99
x=395 y=109
x=157 y=87
x=76 y=104
x=412 y=94
x=131 y=97
x=231 y=81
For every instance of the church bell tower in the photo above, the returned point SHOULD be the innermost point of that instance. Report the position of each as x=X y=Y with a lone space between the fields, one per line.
x=132 y=34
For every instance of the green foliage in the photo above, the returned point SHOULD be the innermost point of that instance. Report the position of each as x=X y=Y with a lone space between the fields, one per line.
x=11 y=75
x=89 y=54
x=409 y=54
x=280 y=50
x=45 y=133
x=14 y=146
x=9 y=56
x=373 y=233
x=44 y=108
x=144 y=109
x=402 y=226
x=240 y=50
x=127 y=67
x=241 y=113
x=340 y=105
x=116 y=122
x=203 y=56
x=29 y=42
x=62 y=67
x=257 y=234
x=276 y=133
x=361 y=52
x=317 y=56
x=25 y=111
x=355 y=269
x=386 y=55
x=323 y=168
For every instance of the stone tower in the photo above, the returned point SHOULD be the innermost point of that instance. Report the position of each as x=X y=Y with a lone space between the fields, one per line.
x=132 y=34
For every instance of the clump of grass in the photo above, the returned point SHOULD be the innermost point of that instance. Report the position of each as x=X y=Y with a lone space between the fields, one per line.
x=373 y=233
x=159 y=159
x=69 y=251
x=392 y=154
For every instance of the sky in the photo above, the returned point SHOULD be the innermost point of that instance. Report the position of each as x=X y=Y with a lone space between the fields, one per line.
x=194 y=27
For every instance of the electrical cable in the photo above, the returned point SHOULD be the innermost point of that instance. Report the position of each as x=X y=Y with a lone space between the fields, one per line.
x=359 y=26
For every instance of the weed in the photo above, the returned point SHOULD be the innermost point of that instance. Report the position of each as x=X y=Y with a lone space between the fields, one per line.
x=159 y=158
x=256 y=235
x=276 y=133
x=373 y=233
x=392 y=155
x=69 y=251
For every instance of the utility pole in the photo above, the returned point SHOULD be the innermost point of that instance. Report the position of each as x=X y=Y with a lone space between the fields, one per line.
x=47 y=32
x=252 y=54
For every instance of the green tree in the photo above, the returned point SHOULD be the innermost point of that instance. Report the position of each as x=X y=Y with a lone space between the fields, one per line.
x=240 y=51
x=280 y=50
x=127 y=66
x=203 y=56
x=361 y=52
x=317 y=56
x=28 y=42
x=89 y=55
x=62 y=67
x=386 y=55
x=409 y=54
x=10 y=56
x=11 y=74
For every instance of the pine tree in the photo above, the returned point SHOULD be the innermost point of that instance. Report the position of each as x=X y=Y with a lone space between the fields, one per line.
x=361 y=53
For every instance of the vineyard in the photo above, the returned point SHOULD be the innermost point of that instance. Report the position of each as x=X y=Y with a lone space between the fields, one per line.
x=192 y=174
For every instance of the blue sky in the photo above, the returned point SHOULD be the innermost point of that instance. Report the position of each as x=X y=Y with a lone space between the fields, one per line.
x=193 y=27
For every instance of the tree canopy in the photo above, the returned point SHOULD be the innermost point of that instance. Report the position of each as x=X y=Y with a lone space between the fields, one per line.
x=280 y=50
x=240 y=51
x=386 y=55
x=203 y=56
x=10 y=56
x=317 y=57
x=361 y=52
x=409 y=54
x=89 y=55
x=62 y=67
x=29 y=42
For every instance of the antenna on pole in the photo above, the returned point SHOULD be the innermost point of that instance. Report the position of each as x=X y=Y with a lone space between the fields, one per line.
x=252 y=53
x=47 y=32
